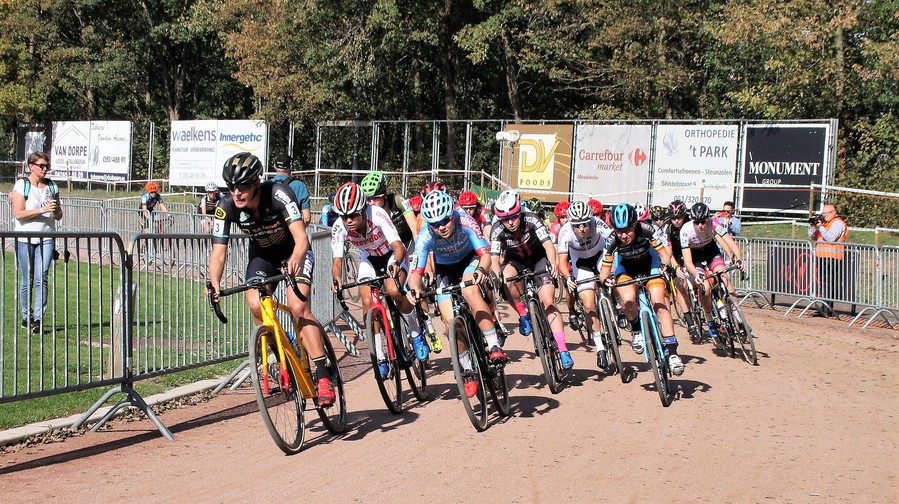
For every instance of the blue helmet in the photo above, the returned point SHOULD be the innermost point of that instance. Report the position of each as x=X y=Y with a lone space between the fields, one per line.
x=437 y=206
x=623 y=216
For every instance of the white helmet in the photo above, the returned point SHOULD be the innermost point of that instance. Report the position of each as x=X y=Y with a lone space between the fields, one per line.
x=350 y=199
x=507 y=204
x=212 y=187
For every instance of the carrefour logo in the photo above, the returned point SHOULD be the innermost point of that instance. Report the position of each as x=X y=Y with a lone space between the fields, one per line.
x=637 y=157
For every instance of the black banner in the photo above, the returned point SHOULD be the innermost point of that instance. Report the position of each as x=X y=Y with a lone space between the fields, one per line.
x=783 y=155
x=31 y=137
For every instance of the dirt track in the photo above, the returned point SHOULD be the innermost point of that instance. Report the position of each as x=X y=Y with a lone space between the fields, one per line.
x=815 y=422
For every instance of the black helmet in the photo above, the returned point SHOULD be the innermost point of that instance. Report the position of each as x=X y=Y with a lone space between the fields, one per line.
x=241 y=168
x=677 y=209
x=699 y=212
x=658 y=212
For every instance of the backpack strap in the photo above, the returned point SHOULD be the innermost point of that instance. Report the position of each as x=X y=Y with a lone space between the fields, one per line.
x=50 y=184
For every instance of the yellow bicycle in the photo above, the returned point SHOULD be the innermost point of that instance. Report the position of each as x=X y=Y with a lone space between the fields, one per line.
x=282 y=377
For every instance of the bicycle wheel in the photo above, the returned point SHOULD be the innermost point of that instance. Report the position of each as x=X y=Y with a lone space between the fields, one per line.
x=391 y=385
x=542 y=346
x=476 y=406
x=656 y=358
x=611 y=337
x=333 y=416
x=278 y=396
x=583 y=327
x=499 y=389
x=351 y=273
x=742 y=332
x=414 y=368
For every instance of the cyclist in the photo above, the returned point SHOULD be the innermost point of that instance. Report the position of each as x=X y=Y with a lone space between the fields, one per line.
x=328 y=216
x=678 y=211
x=207 y=203
x=282 y=175
x=460 y=253
x=642 y=211
x=582 y=240
x=269 y=213
x=659 y=216
x=468 y=201
x=598 y=211
x=640 y=252
x=148 y=203
x=400 y=211
x=699 y=245
x=522 y=241
x=369 y=229
x=561 y=212
x=536 y=207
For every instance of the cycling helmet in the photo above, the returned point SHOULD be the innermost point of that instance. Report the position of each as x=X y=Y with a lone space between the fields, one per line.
x=468 y=199
x=152 y=187
x=415 y=203
x=699 y=212
x=437 y=206
x=579 y=212
x=624 y=216
x=350 y=199
x=241 y=168
x=374 y=184
x=595 y=206
x=561 y=209
x=642 y=211
x=658 y=212
x=434 y=185
x=211 y=187
x=677 y=209
x=507 y=205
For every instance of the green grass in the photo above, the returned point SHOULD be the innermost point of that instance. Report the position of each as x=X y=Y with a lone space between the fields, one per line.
x=172 y=329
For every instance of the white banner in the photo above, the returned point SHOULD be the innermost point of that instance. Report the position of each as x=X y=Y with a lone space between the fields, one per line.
x=611 y=162
x=198 y=149
x=688 y=157
x=91 y=150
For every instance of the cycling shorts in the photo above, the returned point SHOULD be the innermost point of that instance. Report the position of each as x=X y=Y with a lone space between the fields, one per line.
x=538 y=265
x=265 y=262
x=449 y=274
x=647 y=265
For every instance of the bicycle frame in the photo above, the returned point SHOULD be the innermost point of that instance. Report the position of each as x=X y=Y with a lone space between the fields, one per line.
x=285 y=349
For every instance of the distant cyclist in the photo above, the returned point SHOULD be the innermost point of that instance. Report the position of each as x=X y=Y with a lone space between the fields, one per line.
x=522 y=241
x=699 y=243
x=640 y=253
x=207 y=204
x=581 y=243
x=400 y=211
x=149 y=201
x=369 y=229
x=460 y=253
x=678 y=211
x=269 y=213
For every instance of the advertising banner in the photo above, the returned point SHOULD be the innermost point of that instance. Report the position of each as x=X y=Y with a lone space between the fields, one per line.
x=690 y=157
x=784 y=155
x=91 y=150
x=198 y=149
x=611 y=162
x=32 y=137
x=540 y=159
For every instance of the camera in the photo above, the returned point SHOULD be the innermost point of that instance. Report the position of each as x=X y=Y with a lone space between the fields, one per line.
x=817 y=219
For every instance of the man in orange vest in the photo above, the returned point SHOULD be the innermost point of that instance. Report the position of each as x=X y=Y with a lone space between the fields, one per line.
x=829 y=231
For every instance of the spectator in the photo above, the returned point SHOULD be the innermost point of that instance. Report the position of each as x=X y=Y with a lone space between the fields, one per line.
x=36 y=208
x=829 y=231
x=728 y=219
x=282 y=169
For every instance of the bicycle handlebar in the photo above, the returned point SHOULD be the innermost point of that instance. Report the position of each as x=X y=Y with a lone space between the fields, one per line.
x=524 y=273
x=252 y=284
x=447 y=289
x=640 y=280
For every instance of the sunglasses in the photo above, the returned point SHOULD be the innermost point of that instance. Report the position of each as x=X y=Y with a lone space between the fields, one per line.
x=375 y=198
x=697 y=222
x=43 y=166
x=577 y=225
x=242 y=187
x=354 y=215
x=440 y=223
x=509 y=218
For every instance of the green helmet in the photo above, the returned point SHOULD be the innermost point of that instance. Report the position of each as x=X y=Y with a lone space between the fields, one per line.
x=374 y=184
